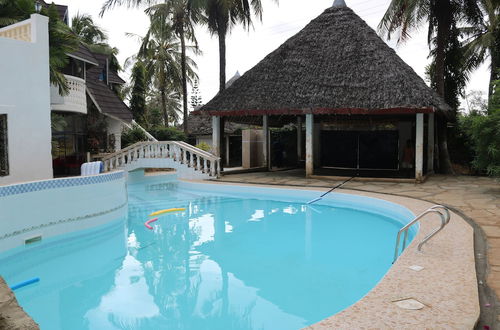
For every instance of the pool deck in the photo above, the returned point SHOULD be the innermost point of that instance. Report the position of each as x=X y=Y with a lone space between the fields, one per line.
x=476 y=198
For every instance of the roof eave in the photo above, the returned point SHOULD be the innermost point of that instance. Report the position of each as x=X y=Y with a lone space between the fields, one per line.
x=317 y=111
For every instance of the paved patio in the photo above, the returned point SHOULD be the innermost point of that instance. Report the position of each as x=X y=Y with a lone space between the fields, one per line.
x=476 y=197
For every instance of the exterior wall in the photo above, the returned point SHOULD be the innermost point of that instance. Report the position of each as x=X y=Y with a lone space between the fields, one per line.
x=204 y=139
x=252 y=148
x=28 y=209
x=25 y=98
x=116 y=127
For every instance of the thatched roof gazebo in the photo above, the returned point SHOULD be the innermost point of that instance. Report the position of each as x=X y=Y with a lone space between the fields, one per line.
x=343 y=78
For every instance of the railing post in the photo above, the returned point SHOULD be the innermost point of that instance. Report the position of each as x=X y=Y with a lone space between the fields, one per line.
x=205 y=168
x=198 y=165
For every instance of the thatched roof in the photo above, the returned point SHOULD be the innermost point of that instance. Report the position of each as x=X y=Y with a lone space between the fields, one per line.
x=336 y=64
x=202 y=125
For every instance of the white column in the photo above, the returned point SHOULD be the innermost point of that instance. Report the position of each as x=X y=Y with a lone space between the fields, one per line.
x=309 y=144
x=266 y=141
x=216 y=145
x=430 y=143
x=299 y=138
x=419 y=147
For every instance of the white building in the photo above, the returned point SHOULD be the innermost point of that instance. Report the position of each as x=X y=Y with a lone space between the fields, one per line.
x=25 y=132
x=32 y=147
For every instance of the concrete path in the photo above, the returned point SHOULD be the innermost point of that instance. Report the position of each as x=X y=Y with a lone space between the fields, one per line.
x=476 y=197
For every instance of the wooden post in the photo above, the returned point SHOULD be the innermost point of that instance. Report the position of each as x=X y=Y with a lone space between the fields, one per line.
x=309 y=144
x=266 y=142
x=419 y=148
x=430 y=143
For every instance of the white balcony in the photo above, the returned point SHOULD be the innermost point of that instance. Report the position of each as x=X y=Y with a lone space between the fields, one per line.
x=75 y=101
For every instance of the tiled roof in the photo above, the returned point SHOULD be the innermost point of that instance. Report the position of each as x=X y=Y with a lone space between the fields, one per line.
x=84 y=54
x=101 y=94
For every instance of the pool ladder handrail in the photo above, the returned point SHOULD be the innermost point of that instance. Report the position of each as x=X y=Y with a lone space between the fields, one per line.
x=445 y=219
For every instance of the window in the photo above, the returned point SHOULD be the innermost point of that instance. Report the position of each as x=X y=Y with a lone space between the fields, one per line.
x=4 y=147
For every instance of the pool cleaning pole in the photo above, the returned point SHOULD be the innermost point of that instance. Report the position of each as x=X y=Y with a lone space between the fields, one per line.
x=329 y=191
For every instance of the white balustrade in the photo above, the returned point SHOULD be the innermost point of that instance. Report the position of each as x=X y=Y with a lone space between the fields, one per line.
x=177 y=151
x=74 y=101
x=20 y=31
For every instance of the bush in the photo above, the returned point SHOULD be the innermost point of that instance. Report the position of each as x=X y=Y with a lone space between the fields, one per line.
x=131 y=136
x=203 y=146
x=168 y=134
x=483 y=130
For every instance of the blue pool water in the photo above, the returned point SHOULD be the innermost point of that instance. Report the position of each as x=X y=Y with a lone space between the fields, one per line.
x=231 y=261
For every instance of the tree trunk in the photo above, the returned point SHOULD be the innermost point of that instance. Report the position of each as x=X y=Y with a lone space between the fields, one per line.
x=164 y=107
x=443 y=32
x=184 y=80
x=494 y=73
x=222 y=57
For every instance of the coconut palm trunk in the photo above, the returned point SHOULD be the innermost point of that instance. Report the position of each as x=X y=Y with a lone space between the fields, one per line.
x=443 y=32
x=221 y=32
x=184 y=79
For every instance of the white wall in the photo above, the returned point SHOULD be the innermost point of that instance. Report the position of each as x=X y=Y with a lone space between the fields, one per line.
x=25 y=98
x=115 y=127
x=59 y=206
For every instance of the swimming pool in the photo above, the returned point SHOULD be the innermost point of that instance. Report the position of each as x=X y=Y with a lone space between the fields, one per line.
x=237 y=258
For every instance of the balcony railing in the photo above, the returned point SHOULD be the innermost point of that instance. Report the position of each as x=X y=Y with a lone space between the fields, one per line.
x=19 y=31
x=75 y=101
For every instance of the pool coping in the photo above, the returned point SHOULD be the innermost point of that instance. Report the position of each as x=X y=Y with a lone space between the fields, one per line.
x=447 y=286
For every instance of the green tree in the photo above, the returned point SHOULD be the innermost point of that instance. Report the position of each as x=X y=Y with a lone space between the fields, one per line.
x=90 y=33
x=196 y=99
x=13 y=11
x=161 y=54
x=404 y=16
x=221 y=16
x=61 y=42
x=485 y=133
x=138 y=92
x=182 y=15
x=483 y=40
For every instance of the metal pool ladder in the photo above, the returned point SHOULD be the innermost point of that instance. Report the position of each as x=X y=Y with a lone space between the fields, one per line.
x=444 y=214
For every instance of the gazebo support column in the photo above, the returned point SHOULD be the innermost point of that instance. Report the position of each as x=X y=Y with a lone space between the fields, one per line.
x=266 y=142
x=216 y=136
x=419 y=148
x=299 y=139
x=430 y=143
x=309 y=144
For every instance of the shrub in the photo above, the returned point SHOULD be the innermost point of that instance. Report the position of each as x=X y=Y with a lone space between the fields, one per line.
x=131 y=136
x=203 y=146
x=168 y=134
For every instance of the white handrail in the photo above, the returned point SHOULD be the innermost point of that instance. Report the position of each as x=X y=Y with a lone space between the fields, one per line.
x=178 y=151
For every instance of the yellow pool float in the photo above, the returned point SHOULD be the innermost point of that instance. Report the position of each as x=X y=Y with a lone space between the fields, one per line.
x=166 y=211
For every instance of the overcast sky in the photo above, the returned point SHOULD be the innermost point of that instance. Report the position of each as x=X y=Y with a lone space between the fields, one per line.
x=247 y=48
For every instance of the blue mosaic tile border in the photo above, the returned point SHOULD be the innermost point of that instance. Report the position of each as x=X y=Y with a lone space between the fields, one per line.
x=61 y=221
x=22 y=188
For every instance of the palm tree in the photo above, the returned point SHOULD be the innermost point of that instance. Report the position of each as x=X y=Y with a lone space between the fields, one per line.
x=161 y=54
x=404 y=16
x=221 y=16
x=183 y=15
x=61 y=42
x=90 y=33
x=15 y=11
x=483 y=40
